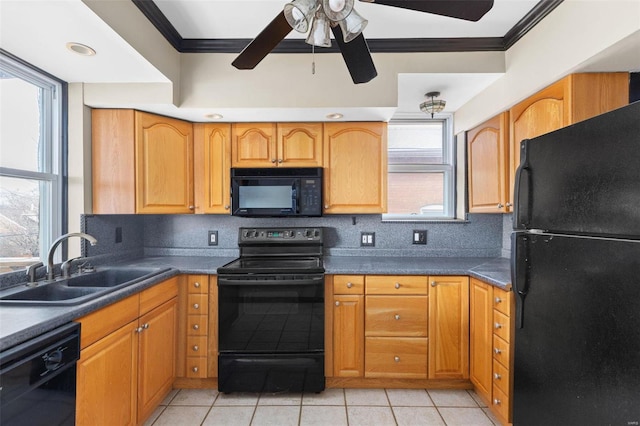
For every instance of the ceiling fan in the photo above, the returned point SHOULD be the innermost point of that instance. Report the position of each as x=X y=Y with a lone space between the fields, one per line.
x=317 y=16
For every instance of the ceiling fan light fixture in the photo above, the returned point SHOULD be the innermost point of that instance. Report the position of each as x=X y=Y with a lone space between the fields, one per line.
x=319 y=34
x=299 y=13
x=352 y=26
x=431 y=105
x=337 y=10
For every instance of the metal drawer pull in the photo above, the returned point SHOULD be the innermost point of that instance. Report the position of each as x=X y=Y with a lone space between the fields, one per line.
x=196 y=327
x=498 y=300
x=433 y=283
x=497 y=402
x=139 y=330
x=396 y=358
x=195 y=348
x=338 y=303
x=397 y=285
x=196 y=306
x=397 y=316
x=497 y=376
x=145 y=326
x=196 y=285
x=497 y=351
x=498 y=326
x=195 y=369
x=349 y=285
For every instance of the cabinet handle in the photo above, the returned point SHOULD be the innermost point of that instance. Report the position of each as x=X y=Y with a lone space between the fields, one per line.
x=497 y=376
x=226 y=207
x=196 y=327
x=337 y=303
x=396 y=358
x=496 y=401
x=194 y=369
x=273 y=160
x=196 y=306
x=195 y=348
x=192 y=207
x=497 y=326
x=397 y=285
x=433 y=283
x=326 y=206
x=498 y=300
x=397 y=316
x=509 y=204
x=139 y=330
x=500 y=205
x=280 y=160
x=497 y=351
x=196 y=284
x=349 y=285
x=145 y=326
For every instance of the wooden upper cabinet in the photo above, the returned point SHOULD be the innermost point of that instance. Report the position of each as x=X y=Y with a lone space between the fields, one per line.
x=142 y=163
x=212 y=153
x=575 y=98
x=488 y=166
x=164 y=164
x=355 y=167
x=277 y=145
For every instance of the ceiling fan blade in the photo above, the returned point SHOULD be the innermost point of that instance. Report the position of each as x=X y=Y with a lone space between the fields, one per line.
x=357 y=57
x=469 y=10
x=264 y=43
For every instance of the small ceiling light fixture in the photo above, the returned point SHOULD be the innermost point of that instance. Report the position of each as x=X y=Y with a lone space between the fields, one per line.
x=214 y=116
x=334 y=116
x=432 y=105
x=80 y=49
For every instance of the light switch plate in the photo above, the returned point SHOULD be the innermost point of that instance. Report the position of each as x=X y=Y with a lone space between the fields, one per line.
x=420 y=237
x=213 y=238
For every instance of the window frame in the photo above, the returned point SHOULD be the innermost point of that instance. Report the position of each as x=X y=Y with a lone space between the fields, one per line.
x=448 y=168
x=52 y=155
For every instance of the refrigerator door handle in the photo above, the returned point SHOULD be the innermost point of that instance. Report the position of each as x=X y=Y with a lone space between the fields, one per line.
x=521 y=190
x=519 y=272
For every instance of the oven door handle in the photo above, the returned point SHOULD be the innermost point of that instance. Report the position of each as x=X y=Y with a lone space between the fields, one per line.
x=222 y=282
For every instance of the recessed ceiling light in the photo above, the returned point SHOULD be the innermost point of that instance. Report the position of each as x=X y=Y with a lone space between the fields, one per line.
x=80 y=49
x=215 y=116
x=334 y=116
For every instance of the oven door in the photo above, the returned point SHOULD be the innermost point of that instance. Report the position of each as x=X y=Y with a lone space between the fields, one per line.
x=271 y=314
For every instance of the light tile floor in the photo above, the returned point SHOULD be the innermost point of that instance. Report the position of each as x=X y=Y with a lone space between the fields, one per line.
x=334 y=407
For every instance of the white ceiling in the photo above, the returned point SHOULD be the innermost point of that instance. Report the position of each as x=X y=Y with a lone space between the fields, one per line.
x=37 y=31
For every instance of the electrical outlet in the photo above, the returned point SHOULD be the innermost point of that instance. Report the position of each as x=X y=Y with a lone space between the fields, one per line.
x=213 y=238
x=420 y=237
x=367 y=239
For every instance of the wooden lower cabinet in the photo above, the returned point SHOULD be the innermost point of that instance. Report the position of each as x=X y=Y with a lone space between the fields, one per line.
x=348 y=336
x=481 y=337
x=127 y=361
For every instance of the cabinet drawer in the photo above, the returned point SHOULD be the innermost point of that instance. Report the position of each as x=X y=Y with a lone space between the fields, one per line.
x=500 y=377
x=102 y=322
x=500 y=402
x=196 y=367
x=502 y=301
x=392 y=284
x=501 y=351
x=197 y=284
x=197 y=304
x=348 y=284
x=502 y=325
x=158 y=294
x=396 y=316
x=197 y=346
x=396 y=357
x=197 y=325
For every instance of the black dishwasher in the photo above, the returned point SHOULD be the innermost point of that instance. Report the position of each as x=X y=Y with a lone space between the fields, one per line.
x=38 y=379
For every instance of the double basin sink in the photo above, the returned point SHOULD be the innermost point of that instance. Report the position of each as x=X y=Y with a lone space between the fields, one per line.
x=79 y=288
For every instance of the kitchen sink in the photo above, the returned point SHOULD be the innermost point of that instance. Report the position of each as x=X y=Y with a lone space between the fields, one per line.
x=79 y=288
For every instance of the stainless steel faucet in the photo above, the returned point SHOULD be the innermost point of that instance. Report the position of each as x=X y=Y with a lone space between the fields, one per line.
x=54 y=245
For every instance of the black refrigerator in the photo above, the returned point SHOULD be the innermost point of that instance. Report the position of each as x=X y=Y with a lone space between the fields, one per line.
x=576 y=274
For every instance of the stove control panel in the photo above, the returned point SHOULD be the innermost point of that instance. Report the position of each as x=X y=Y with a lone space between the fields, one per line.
x=297 y=235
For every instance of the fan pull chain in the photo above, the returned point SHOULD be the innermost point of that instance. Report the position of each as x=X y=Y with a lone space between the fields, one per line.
x=313 y=59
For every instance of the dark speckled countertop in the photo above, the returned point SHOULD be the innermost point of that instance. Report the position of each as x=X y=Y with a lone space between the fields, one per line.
x=20 y=323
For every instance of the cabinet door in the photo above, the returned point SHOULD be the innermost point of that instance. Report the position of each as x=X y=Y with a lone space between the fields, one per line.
x=157 y=360
x=481 y=333
x=348 y=336
x=449 y=327
x=253 y=145
x=164 y=164
x=355 y=161
x=212 y=175
x=487 y=150
x=299 y=145
x=106 y=380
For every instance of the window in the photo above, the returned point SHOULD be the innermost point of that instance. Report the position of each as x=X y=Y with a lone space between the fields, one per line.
x=421 y=180
x=31 y=178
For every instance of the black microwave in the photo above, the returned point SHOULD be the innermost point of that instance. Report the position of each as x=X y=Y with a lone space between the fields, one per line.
x=276 y=192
